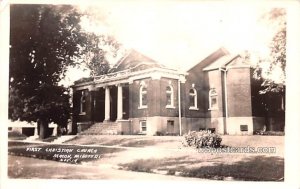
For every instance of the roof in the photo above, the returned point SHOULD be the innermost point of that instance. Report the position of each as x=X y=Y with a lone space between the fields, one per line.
x=133 y=64
x=134 y=60
x=221 y=62
x=209 y=59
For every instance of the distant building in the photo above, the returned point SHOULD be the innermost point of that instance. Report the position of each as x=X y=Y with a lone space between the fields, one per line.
x=140 y=96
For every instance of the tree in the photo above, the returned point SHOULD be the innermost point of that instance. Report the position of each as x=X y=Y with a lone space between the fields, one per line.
x=271 y=69
x=94 y=54
x=102 y=50
x=44 y=41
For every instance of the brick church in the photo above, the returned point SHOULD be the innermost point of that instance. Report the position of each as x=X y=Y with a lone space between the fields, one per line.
x=141 y=96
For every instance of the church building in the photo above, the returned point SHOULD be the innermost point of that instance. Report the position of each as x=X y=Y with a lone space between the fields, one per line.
x=141 y=96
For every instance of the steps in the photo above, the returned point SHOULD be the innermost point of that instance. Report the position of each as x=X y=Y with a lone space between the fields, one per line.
x=109 y=128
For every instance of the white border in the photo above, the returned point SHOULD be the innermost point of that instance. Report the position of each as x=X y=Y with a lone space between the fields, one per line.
x=292 y=138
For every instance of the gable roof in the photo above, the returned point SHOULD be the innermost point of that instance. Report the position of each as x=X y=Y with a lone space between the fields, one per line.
x=209 y=59
x=134 y=60
x=229 y=61
x=221 y=62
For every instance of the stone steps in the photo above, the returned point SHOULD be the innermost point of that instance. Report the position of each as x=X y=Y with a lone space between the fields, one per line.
x=110 y=128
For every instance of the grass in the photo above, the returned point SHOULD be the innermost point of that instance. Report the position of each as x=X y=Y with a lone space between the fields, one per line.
x=124 y=140
x=49 y=139
x=169 y=157
x=48 y=151
x=218 y=166
x=173 y=141
x=255 y=168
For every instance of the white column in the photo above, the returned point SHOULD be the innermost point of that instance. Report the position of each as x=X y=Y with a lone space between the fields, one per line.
x=54 y=133
x=120 y=103
x=107 y=104
x=69 y=127
x=36 y=131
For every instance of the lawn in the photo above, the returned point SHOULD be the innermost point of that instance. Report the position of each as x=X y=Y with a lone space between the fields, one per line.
x=175 y=142
x=251 y=168
x=63 y=153
x=128 y=140
x=220 y=166
x=165 y=155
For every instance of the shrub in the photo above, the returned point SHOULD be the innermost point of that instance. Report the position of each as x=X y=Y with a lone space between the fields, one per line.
x=202 y=139
x=158 y=133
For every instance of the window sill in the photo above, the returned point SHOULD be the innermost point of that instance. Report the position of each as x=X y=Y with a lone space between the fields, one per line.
x=142 y=107
x=193 y=108
x=170 y=107
x=82 y=113
x=211 y=109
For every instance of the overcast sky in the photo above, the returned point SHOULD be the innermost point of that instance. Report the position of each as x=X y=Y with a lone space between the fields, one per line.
x=180 y=34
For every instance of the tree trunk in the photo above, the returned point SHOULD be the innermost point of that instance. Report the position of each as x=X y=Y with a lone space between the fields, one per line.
x=43 y=128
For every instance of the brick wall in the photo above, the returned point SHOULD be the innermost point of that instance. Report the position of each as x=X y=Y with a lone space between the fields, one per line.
x=239 y=92
x=214 y=81
x=156 y=95
x=87 y=116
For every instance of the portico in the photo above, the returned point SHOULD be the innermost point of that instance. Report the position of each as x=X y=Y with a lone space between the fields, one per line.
x=108 y=103
x=124 y=100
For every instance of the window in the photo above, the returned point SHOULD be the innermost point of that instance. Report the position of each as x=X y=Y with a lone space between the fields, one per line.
x=83 y=102
x=143 y=97
x=143 y=126
x=170 y=97
x=193 y=99
x=213 y=101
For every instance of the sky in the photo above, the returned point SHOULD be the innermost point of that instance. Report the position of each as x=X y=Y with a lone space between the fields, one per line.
x=180 y=34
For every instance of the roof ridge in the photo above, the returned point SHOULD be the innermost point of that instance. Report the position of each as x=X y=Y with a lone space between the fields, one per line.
x=121 y=60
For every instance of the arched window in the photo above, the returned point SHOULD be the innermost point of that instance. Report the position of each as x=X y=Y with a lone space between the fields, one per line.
x=170 y=97
x=82 y=102
x=213 y=99
x=143 y=96
x=193 y=99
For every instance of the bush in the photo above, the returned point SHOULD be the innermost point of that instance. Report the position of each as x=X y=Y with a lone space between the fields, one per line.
x=202 y=139
x=158 y=133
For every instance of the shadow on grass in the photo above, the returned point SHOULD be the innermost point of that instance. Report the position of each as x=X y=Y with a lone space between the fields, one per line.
x=148 y=165
x=255 y=168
